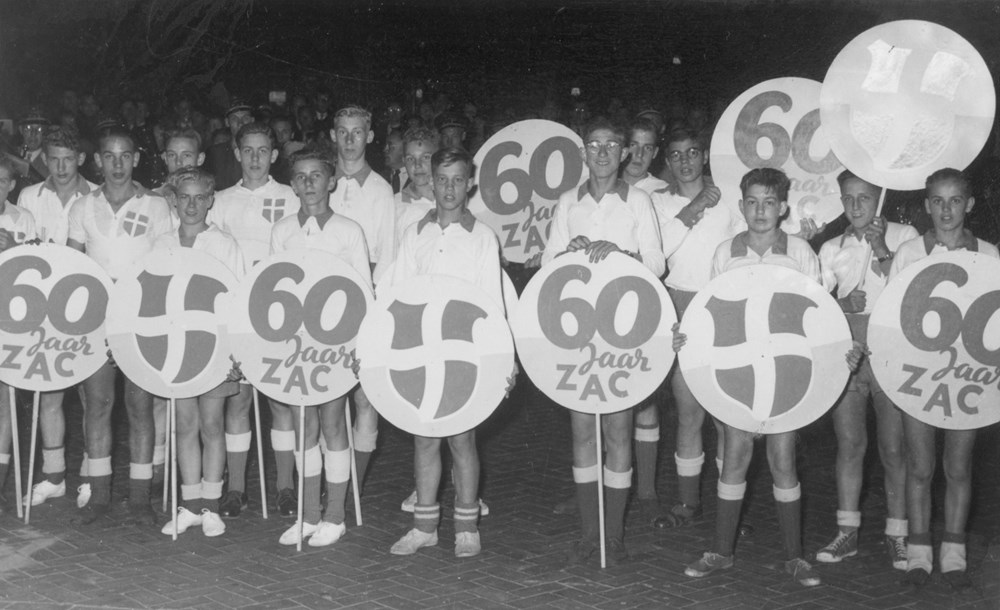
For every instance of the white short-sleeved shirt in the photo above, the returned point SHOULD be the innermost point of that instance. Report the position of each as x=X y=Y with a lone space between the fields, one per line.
x=788 y=251
x=411 y=207
x=249 y=215
x=19 y=222
x=116 y=239
x=340 y=236
x=467 y=249
x=51 y=216
x=213 y=241
x=366 y=198
x=689 y=252
x=925 y=245
x=650 y=183
x=624 y=216
x=842 y=258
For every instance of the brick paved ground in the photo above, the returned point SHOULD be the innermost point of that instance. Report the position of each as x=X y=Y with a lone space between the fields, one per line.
x=525 y=449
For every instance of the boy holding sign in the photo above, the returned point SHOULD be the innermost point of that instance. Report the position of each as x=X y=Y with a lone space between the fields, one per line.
x=448 y=241
x=868 y=239
x=317 y=226
x=201 y=446
x=604 y=215
x=764 y=202
x=949 y=199
x=115 y=225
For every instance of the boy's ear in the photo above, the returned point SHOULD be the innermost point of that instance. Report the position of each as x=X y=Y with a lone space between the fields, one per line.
x=927 y=205
x=971 y=203
x=81 y=158
x=784 y=208
x=201 y=159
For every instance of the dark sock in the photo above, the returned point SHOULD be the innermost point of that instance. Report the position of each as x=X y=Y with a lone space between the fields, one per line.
x=646 y=454
x=790 y=522
x=284 y=462
x=586 y=498
x=727 y=521
x=311 y=508
x=236 y=464
x=336 y=496
x=426 y=517
x=956 y=537
x=689 y=490
x=138 y=491
x=919 y=538
x=361 y=460
x=466 y=517
x=614 y=512
x=100 y=490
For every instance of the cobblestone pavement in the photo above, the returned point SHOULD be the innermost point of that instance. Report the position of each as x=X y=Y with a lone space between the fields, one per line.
x=525 y=448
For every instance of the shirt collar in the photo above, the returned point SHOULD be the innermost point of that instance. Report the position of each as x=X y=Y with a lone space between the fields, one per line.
x=409 y=193
x=80 y=188
x=321 y=220
x=740 y=247
x=360 y=176
x=968 y=242
x=265 y=185
x=467 y=220
x=620 y=188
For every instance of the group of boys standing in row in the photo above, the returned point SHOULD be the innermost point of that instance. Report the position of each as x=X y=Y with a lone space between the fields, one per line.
x=684 y=228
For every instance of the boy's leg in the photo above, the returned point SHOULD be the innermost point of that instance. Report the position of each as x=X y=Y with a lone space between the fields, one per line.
x=427 y=512
x=99 y=392
x=52 y=423
x=139 y=405
x=466 y=474
x=689 y=456
x=585 y=477
x=849 y=424
x=618 y=430
x=312 y=470
x=160 y=406
x=889 y=426
x=189 y=460
x=283 y=444
x=6 y=440
x=788 y=501
x=920 y=458
x=365 y=433
x=213 y=449
x=647 y=453
x=237 y=447
x=337 y=458
x=958 y=446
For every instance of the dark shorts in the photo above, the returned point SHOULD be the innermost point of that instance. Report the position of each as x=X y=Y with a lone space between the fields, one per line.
x=681 y=299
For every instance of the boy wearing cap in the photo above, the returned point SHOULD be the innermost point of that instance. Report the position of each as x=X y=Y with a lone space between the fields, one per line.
x=221 y=159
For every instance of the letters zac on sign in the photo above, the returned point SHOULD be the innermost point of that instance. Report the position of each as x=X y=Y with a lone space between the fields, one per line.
x=167 y=322
x=935 y=340
x=521 y=171
x=52 y=309
x=777 y=124
x=906 y=98
x=295 y=320
x=766 y=349
x=595 y=338
x=435 y=355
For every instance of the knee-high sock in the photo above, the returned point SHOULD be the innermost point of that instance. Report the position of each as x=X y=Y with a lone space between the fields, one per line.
x=100 y=480
x=364 y=445
x=586 y=498
x=616 y=486
x=4 y=468
x=283 y=444
x=647 y=443
x=727 y=517
x=140 y=482
x=466 y=517
x=313 y=468
x=54 y=464
x=689 y=479
x=426 y=517
x=211 y=491
x=338 y=477
x=237 y=448
x=789 y=505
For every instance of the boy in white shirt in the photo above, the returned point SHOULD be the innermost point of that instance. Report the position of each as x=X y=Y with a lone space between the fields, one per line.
x=115 y=225
x=248 y=211
x=317 y=226
x=417 y=197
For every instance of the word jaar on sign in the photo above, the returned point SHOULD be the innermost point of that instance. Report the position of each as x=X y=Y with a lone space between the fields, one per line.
x=967 y=398
x=291 y=373
x=532 y=236
x=596 y=368
x=46 y=355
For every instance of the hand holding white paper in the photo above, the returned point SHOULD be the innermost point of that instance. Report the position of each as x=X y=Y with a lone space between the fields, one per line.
x=777 y=124
x=52 y=310
x=435 y=355
x=765 y=349
x=167 y=322
x=595 y=338
x=520 y=173
x=935 y=340
x=295 y=320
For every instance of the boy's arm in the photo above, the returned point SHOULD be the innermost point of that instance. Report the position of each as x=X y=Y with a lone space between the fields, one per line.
x=648 y=237
x=558 y=234
x=77 y=235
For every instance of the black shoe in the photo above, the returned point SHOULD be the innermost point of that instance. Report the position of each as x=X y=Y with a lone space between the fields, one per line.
x=233 y=504
x=679 y=515
x=581 y=551
x=140 y=513
x=958 y=580
x=568 y=506
x=917 y=577
x=614 y=552
x=91 y=513
x=288 y=503
x=649 y=510
x=745 y=530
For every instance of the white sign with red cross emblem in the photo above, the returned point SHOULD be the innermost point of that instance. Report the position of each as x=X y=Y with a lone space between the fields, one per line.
x=595 y=337
x=766 y=349
x=521 y=171
x=53 y=303
x=904 y=99
x=295 y=318
x=167 y=322
x=435 y=355
x=935 y=340
x=776 y=124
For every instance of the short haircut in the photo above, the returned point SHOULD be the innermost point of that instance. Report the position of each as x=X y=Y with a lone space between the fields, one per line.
x=421 y=134
x=686 y=132
x=281 y=118
x=643 y=124
x=847 y=174
x=354 y=112
x=186 y=133
x=450 y=156
x=192 y=174
x=256 y=127
x=61 y=137
x=603 y=123
x=313 y=152
x=111 y=133
x=954 y=175
x=8 y=164
x=769 y=178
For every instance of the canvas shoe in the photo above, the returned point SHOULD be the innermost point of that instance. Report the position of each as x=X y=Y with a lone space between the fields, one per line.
x=41 y=492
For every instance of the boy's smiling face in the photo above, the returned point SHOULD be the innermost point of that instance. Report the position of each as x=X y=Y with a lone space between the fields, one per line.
x=762 y=209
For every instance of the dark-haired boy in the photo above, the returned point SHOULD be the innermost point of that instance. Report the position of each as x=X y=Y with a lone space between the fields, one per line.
x=248 y=211
x=222 y=160
x=448 y=241
x=604 y=215
x=948 y=200
x=115 y=225
x=868 y=239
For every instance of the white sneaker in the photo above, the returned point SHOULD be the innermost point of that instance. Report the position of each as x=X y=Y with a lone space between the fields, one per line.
x=185 y=519
x=327 y=533
x=413 y=541
x=409 y=503
x=41 y=492
x=212 y=524
x=291 y=535
x=467 y=544
x=82 y=495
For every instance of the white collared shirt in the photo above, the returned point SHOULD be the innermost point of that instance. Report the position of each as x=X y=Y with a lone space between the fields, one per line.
x=788 y=251
x=340 y=236
x=624 y=216
x=922 y=247
x=842 y=258
x=650 y=184
x=117 y=239
x=249 y=215
x=18 y=221
x=366 y=198
x=409 y=209
x=213 y=241
x=50 y=214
